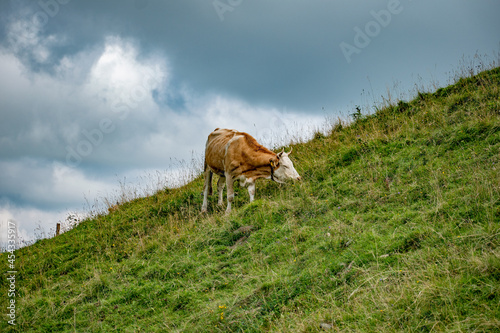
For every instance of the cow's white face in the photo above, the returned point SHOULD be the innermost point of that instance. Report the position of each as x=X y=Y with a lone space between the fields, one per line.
x=285 y=171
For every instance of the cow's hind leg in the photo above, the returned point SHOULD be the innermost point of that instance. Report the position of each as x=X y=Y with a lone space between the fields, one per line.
x=251 y=191
x=230 y=193
x=220 y=189
x=207 y=189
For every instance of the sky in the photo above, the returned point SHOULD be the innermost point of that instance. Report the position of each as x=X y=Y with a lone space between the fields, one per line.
x=111 y=99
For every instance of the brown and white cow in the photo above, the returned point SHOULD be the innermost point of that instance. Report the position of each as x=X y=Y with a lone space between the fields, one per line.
x=238 y=156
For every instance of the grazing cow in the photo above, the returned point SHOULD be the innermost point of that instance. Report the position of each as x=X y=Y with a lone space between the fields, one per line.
x=238 y=156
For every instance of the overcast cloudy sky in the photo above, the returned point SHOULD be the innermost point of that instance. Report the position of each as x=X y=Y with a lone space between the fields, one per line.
x=96 y=92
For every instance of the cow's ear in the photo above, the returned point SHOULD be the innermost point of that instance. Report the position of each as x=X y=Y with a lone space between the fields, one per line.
x=274 y=162
x=281 y=153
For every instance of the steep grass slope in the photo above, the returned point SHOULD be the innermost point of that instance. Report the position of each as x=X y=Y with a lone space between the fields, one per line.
x=394 y=228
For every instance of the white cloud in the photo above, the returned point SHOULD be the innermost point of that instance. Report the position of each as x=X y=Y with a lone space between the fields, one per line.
x=269 y=125
x=122 y=82
x=49 y=184
x=26 y=38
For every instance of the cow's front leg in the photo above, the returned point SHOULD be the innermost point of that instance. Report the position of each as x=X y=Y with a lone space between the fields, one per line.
x=251 y=190
x=230 y=193
x=220 y=189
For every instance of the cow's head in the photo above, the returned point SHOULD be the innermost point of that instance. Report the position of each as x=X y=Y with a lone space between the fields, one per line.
x=283 y=168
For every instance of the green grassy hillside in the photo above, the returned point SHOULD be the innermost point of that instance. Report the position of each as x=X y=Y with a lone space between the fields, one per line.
x=394 y=228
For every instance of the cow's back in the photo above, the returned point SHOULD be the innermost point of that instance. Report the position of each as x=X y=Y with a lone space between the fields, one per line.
x=236 y=151
x=215 y=148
